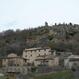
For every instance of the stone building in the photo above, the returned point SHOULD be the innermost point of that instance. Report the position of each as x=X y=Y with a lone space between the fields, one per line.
x=36 y=56
x=13 y=64
x=13 y=60
x=32 y=53
x=71 y=61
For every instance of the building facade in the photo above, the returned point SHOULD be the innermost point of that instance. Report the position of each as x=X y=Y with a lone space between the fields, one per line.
x=32 y=53
x=47 y=60
x=14 y=64
x=13 y=60
x=71 y=61
x=37 y=56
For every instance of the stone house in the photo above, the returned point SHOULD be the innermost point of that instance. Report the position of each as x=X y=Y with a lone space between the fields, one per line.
x=14 y=64
x=12 y=60
x=63 y=55
x=71 y=61
x=37 y=56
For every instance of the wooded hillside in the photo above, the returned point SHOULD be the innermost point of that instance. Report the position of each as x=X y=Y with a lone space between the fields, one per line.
x=61 y=37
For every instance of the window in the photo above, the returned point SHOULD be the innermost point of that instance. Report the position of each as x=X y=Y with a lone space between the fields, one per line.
x=44 y=49
x=39 y=50
x=39 y=55
x=17 y=64
x=45 y=54
x=31 y=50
x=31 y=55
x=25 y=60
x=35 y=50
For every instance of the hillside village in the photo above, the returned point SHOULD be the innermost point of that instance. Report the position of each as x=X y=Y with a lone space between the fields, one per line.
x=40 y=50
x=37 y=60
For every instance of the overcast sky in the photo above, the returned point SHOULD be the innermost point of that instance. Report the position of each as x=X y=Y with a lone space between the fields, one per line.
x=20 y=14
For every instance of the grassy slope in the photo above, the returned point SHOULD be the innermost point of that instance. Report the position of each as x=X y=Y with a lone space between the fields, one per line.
x=2 y=77
x=58 y=75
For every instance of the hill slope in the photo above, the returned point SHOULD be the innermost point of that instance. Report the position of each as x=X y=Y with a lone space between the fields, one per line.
x=61 y=37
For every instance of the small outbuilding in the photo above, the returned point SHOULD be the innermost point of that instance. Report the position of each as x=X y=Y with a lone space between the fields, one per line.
x=71 y=61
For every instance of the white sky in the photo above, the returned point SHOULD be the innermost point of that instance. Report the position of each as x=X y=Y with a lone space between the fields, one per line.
x=20 y=14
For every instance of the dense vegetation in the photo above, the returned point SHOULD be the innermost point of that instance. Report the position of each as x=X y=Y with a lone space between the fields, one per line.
x=61 y=37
